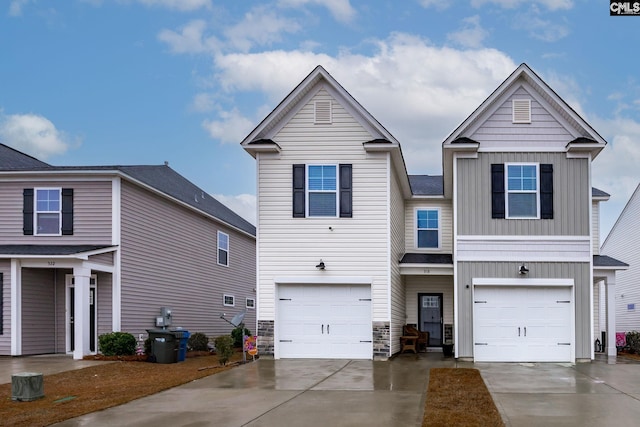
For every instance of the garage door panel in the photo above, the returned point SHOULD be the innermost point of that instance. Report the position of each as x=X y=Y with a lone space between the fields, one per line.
x=522 y=324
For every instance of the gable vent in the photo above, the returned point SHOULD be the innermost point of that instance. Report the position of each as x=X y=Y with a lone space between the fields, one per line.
x=521 y=110
x=322 y=112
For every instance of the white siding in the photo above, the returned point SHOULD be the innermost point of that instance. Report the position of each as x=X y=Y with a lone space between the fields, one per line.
x=595 y=226
x=398 y=307
x=446 y=227
x=623 y=243
x=356 y=246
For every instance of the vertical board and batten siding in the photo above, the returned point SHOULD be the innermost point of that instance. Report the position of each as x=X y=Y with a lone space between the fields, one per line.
x=429 y=285
x=446 y=224
x=622 y=244
x=91 y=213
x=595 y=227
x=571 y=197
x=38 y=311
x=169 y=259
x=499 y=131
x=356 y=246
x=398 y=293
x=579 y=272
x=5 y=337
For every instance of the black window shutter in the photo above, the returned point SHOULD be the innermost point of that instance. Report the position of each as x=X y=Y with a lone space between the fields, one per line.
x=346 y=194
x=298 y=191
x=27 y=211
x=546 y=191
x=67 y=211
x=497 y=190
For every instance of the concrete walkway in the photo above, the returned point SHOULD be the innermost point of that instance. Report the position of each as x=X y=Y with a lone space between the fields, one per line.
x=357 y=393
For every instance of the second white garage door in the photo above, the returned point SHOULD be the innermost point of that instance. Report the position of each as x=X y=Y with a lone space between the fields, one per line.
x=523 y=324
x=324 y=321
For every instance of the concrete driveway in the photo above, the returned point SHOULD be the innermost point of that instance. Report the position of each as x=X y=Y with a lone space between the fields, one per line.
x=356 y=393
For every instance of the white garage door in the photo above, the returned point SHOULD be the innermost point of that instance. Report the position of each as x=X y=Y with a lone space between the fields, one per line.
x=324 y=321
x=523 y=324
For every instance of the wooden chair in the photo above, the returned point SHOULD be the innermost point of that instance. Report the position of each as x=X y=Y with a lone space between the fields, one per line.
x=408 y=343
x=422 y=338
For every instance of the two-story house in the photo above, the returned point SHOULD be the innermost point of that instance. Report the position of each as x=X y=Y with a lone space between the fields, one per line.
x=90 y=250
x=498 y=255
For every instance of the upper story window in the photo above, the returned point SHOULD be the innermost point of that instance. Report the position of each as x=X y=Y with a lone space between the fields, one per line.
x=223 y=248
x=522 y=191
x=427 y=228
x=48 y=210
x=322 y=191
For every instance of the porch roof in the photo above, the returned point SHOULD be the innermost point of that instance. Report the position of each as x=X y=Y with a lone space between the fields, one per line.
x=604 y=261
x=49 y=250
x=413 y=258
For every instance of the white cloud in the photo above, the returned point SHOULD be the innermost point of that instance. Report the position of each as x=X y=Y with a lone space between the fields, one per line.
x=260 y=26
x=203 y=102
x=510 y=4
x=471 y=35
x=539 y=28
x=181 y=5
x=231 y=128
x=190 y=39
x=340 y=9
x=15 y=7
x=33 y=134
x=437 y=4
x=429 y=100
x=242 y=204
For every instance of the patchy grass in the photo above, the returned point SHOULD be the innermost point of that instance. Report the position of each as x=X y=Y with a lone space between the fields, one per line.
x=459 y=397
x=73 y=393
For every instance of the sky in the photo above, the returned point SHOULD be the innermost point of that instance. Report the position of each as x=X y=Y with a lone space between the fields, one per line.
x=122 y=82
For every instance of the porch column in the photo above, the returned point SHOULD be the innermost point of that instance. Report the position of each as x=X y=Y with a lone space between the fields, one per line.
x=81 y=276
x=16 y=307
x=611 y=314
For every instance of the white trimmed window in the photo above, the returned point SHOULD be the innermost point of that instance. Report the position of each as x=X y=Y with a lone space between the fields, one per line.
x=322 y=193
x=251 y=303
x=523 y=191
x=48 y=211
x=228 y=300
x=223 y=248
x=427 y=228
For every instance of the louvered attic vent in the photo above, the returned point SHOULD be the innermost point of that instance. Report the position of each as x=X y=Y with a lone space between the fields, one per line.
x=322 y=112
x=521 y=110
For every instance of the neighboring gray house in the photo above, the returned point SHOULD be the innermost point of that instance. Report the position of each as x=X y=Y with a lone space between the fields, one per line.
x=90 y=250
x=623 y=242
x=498 y=256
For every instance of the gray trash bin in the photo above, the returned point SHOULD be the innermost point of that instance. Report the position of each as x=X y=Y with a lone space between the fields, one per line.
x=164 y=345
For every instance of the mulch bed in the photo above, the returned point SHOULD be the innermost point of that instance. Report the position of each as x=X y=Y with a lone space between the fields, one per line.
x=459 y=397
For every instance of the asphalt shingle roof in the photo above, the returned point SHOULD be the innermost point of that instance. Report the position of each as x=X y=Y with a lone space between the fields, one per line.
x=607 y=261
x=426 y=185
x=48 y=249
x=410 y=258
x=11 y=159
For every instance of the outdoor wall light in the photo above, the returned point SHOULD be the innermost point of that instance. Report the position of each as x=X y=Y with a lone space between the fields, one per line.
x=523 y=269
x=320 y=266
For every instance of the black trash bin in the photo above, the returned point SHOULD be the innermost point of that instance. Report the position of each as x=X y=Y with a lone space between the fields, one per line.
x=164 y=345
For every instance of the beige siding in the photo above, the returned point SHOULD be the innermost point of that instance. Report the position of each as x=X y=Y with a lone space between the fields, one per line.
x=5 y=337
x=446 y=224
x=571 y=197
x=579 y=272
x=398 y=307
x=169 y=258
x=91 y=213
x=355 y=246
x=499 y=131
x=38 y=311
x=429 y=284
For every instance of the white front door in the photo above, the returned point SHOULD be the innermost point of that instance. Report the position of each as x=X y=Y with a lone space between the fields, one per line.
x=324 y=321
x=523 y=324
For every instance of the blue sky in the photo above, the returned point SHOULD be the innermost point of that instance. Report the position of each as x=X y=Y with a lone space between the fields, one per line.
x=99 y=82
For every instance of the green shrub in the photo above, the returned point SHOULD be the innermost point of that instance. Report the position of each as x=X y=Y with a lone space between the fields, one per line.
x=198 y=342
x=147 y=346
x=224 y=348
x=633 y=341
x=236 y=334
x=117 y=344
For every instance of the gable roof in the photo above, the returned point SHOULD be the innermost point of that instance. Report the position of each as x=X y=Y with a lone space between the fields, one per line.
x=426 y=185
x=13 y=159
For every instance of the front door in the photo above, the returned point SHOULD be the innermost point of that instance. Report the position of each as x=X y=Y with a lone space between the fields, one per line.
x=71 y=311
x=430 y=317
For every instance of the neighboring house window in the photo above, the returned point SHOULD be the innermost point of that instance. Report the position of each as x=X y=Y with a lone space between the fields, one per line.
x=522 y=191
x=229 y=300
x=427 y=228
x=322 y=191
x=47 y=211
x=251 y=303
x=223 y=248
